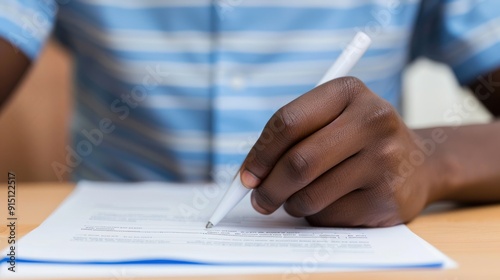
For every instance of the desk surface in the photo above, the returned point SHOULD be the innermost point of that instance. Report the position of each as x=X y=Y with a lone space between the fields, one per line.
x=470 y=236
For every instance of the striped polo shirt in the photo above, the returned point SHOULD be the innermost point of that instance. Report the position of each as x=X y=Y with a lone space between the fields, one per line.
x=179 y=90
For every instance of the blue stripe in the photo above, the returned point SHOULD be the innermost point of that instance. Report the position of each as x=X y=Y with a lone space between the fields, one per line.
x=154 y=56
x=167 y=261
x=238 y=121
x=165 y=19
x=305 y=56
x=222 y=159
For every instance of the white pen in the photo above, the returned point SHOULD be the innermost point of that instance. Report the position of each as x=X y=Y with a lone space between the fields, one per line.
x=341 y=67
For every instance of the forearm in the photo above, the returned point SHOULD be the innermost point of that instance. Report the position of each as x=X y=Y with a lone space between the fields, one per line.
x=467 y=163
x=12 y=68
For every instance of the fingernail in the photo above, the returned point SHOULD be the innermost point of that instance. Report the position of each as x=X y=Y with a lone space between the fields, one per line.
x=256 y=206
x=249 y=180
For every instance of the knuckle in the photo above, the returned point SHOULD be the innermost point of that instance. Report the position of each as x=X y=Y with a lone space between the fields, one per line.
x=305 y=203
x=266 y=199
x=389 y=155
x=352 y=86
x=297 y=167
x=265 y=139
x=285 y=121
x=383 y=117
x=258 y=161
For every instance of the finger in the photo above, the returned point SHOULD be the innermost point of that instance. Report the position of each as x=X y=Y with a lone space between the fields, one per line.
x=353 y=173
x=359 y=208
x=294 y=122
x=308 y=160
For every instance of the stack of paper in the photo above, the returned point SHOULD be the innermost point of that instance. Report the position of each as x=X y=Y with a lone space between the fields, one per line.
x=152 y=229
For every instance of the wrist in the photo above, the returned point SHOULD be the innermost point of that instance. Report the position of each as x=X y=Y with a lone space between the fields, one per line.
x=442 y=167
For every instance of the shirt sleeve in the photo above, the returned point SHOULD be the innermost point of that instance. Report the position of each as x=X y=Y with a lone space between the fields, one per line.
x=27 y=23
x=465 y=34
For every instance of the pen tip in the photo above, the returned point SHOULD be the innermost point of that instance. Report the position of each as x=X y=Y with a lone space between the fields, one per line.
x=209 y=225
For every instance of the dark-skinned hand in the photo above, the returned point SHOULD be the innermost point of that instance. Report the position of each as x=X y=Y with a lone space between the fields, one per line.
x=334 y=156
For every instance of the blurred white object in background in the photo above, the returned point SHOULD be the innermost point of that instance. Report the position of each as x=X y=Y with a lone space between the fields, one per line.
x=433 y=97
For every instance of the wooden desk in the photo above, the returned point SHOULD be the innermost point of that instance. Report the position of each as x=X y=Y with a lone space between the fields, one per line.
x=471 y=236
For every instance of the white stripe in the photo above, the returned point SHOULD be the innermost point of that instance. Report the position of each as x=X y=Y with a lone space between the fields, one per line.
x=235 y=143
x=177 y=102
x=473 y=42
x=461 y=7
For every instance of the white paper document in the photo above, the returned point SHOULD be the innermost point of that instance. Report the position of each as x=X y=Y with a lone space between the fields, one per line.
x=154 y=229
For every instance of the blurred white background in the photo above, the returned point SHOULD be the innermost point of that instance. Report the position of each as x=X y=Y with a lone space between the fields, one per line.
x=432 y=95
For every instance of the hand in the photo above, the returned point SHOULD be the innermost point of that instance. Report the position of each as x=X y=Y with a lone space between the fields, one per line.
x=337 y=155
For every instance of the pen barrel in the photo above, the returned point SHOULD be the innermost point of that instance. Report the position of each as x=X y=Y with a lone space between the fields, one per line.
x=348 y=58
x=234 y=194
